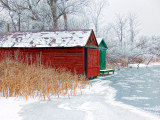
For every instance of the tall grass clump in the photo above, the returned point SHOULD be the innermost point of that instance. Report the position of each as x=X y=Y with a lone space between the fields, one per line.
x=20 y=79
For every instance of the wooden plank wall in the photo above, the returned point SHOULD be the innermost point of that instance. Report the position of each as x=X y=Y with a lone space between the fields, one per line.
x=70 y=58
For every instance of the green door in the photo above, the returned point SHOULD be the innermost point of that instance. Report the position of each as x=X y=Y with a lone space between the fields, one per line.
x=102 y=59
x=103 y=48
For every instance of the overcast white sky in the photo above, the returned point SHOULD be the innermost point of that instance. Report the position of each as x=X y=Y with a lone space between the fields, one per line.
x=148 y=12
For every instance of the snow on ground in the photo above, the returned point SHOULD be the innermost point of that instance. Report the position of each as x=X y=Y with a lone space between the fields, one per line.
x=135 y=98
x=143 y=65
x=10 y=107
x=95 y=103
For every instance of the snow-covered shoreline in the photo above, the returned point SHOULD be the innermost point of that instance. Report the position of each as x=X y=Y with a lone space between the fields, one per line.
x=88 y=106
x=143 y=65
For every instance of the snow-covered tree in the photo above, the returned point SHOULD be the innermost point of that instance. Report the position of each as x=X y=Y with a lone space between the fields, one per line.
x=133 y=27
x=120 y=27
x=95 y=10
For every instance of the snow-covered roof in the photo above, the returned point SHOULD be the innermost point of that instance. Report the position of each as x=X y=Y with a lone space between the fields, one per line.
x=99 y=40
x=70 y=38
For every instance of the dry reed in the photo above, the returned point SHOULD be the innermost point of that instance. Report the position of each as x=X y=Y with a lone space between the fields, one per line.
x=20 y=79
x=156 y=60
x=110 y=65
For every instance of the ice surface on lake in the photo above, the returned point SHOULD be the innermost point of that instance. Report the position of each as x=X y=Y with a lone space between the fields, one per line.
x=138 y=87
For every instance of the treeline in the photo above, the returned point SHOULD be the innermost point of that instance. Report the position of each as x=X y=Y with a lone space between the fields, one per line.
x=122 y=35
x=24 y=15
x=125 y=42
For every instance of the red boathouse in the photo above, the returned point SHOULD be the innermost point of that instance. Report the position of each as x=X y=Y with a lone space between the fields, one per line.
x=76 y=50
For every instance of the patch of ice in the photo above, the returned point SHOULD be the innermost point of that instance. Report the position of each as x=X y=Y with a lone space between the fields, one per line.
x=157 y=108
x=136 y=81
x=154 y=92
x=138 y=91
x=147 y=104
x=135 y=98
x=122 y=84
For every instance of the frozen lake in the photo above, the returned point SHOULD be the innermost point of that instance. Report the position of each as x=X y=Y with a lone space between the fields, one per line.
x=130 y=94
x=138 y=87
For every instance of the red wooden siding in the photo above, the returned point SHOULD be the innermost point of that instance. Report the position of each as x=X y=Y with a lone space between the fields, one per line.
x=92 y=62
x=70 y=58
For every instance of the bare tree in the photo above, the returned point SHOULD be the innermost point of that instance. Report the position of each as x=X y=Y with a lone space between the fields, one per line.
x=64 y=15
x=70 y=7
x=120 y=28
x=30 y=6
x=10 y=6
x=12 y=20
x=133 y=25
x=64 y=8
x=78 y=22
x=53 y=8
x=107 y=32
x=17 y=10
x=95 y=10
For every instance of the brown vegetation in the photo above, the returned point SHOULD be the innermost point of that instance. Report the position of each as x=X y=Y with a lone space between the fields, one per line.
x=123 y=62
x=20 y=79
x=156 y=60
x=112 y=66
